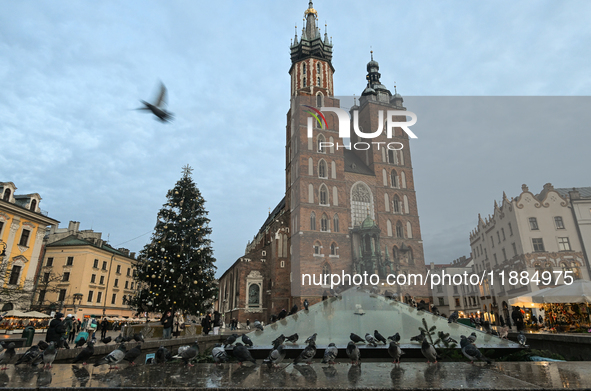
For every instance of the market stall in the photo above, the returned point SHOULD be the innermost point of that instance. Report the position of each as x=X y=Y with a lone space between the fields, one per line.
x=567 y=306
x=14 y=321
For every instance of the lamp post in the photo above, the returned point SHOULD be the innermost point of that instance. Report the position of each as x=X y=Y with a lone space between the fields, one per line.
x=76 y=300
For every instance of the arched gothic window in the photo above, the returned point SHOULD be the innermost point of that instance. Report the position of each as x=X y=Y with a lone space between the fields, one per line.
x=323 y=195
x=6 y=195
x=33 y=205
x=317 y=248
x=326 y=269
x=361 y=203
x=324 y=223
x=322 y=170
x=394 y=178
x=333 y=249
x=399 y=230
x=335 y=223
x=396 y=204
x=313 y=221
x=320 y=143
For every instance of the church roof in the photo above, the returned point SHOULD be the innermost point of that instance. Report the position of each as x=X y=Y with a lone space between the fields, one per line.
x=355 y=165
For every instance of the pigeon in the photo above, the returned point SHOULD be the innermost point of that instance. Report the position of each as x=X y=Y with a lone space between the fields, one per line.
x=379 y=337
x=371 y=340
x=158 y=107
x=190 y=354
x=306 y=304
x=241 y=353
x=395 y=352
x=276 y=356
x=49 y=355
x=219 y=354
x=282 y=314
x=133 y=354
x=81 y=342
x=504 y=332
x=355 y=338
x=230 y=340
x=486 y=326
x=293 y=310
x=7 y=354
x=42 y=345
x=119 y=338
x=30 y=355
x=522 y=339
x=106 y=340
x=353 y=352
x=453 y=318
x=278 y=341
x=472 y=337
x=246 y=340
x=139 y=337
x=395 y=337
x=308 y=353
x=330 y=354
x=471 y=352
x=419 y=338
x=113 y=358
x=63 y=343
x=127 y=339
x=292 y=338
x=162 y=355
x=429 y=351
x=447 y=339
x=257 y=325
x=311 y=339
x=85 y=354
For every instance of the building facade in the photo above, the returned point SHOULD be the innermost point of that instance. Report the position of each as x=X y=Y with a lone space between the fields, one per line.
x=529 y=233
x=22 y=228
x=82 y=275
x=345 y=210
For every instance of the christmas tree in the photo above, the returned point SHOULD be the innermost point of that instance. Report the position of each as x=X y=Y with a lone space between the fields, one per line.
x=176 y=270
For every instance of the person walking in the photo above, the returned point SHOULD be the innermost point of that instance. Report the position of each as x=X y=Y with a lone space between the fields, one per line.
x=167 y=321
x=75 y=328
x=104 y=327
x=69 y=326
x=206 y=324
x=248 y=324
x=56 y=329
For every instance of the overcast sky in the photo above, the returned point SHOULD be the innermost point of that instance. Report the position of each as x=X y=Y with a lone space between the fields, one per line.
x=71 y=73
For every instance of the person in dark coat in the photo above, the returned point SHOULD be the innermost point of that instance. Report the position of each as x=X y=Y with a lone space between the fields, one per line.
x=517 y=317
x=206 y=324
x=166 y=322
x=56 y=329
x=104 y=328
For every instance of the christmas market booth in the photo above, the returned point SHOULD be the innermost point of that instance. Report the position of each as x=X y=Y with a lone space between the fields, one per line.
x=14 y=321
x=566 y=307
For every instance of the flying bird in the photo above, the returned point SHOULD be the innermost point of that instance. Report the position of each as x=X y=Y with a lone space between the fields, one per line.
x=429 y=351
x=471 y=352
x=395 y=352
x=158 y=107
x=85 y=354
x=353 y=352
x=330 y=354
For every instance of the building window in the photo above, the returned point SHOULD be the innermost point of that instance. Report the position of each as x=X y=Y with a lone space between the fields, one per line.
x=457 y=302
x=319 y=97
x=102 y=280
x=492 y=242
x=113 y=298
x=70 y=261
x=128 y=272
x=499 y=237
x=304 y=83
x=95 y=264
x=391 y=156
x=533 y=223
x=49 y=262
x=316 y=248
x=335 y=223
x=333 y=249
x=563 y=244
x=558 y=222
x=41 y=298
x=503 y=232
x=93 y=279
x=14 y=275
x=323 y=195
x=62 y=295
x=394 y=178
x=322 y=169
x=116 y=283
x=504 y=254
x=132 y=285
x=6 y=195
x=510 y=230
x=24 y=238
x=514 y=248
x=326 y=269
x=118 y=269
x=104 y=265
x=318 y=80
x=538 y=244
x=313 y=221
x=99 y=296
x=485 y=254
x=396 y=204
x=33 y=205
x=126 y=284
x=66 y=277
x=441 y=301
x=90 y=294
x=282 y=264
x=324 y=223
x=321 y=142
x=399 y=230
x=495 y=259
x=46 y=277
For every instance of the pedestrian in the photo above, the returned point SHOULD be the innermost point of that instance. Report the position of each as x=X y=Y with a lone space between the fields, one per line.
x=104 y=327
x=540 y=320
x=92 y=327
x=501 y=320
x=517 y=317
x=248 y=324
x=177 y=324
x=56 y=329
x=206 y=324
x=166 y=322
x=69 y=325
